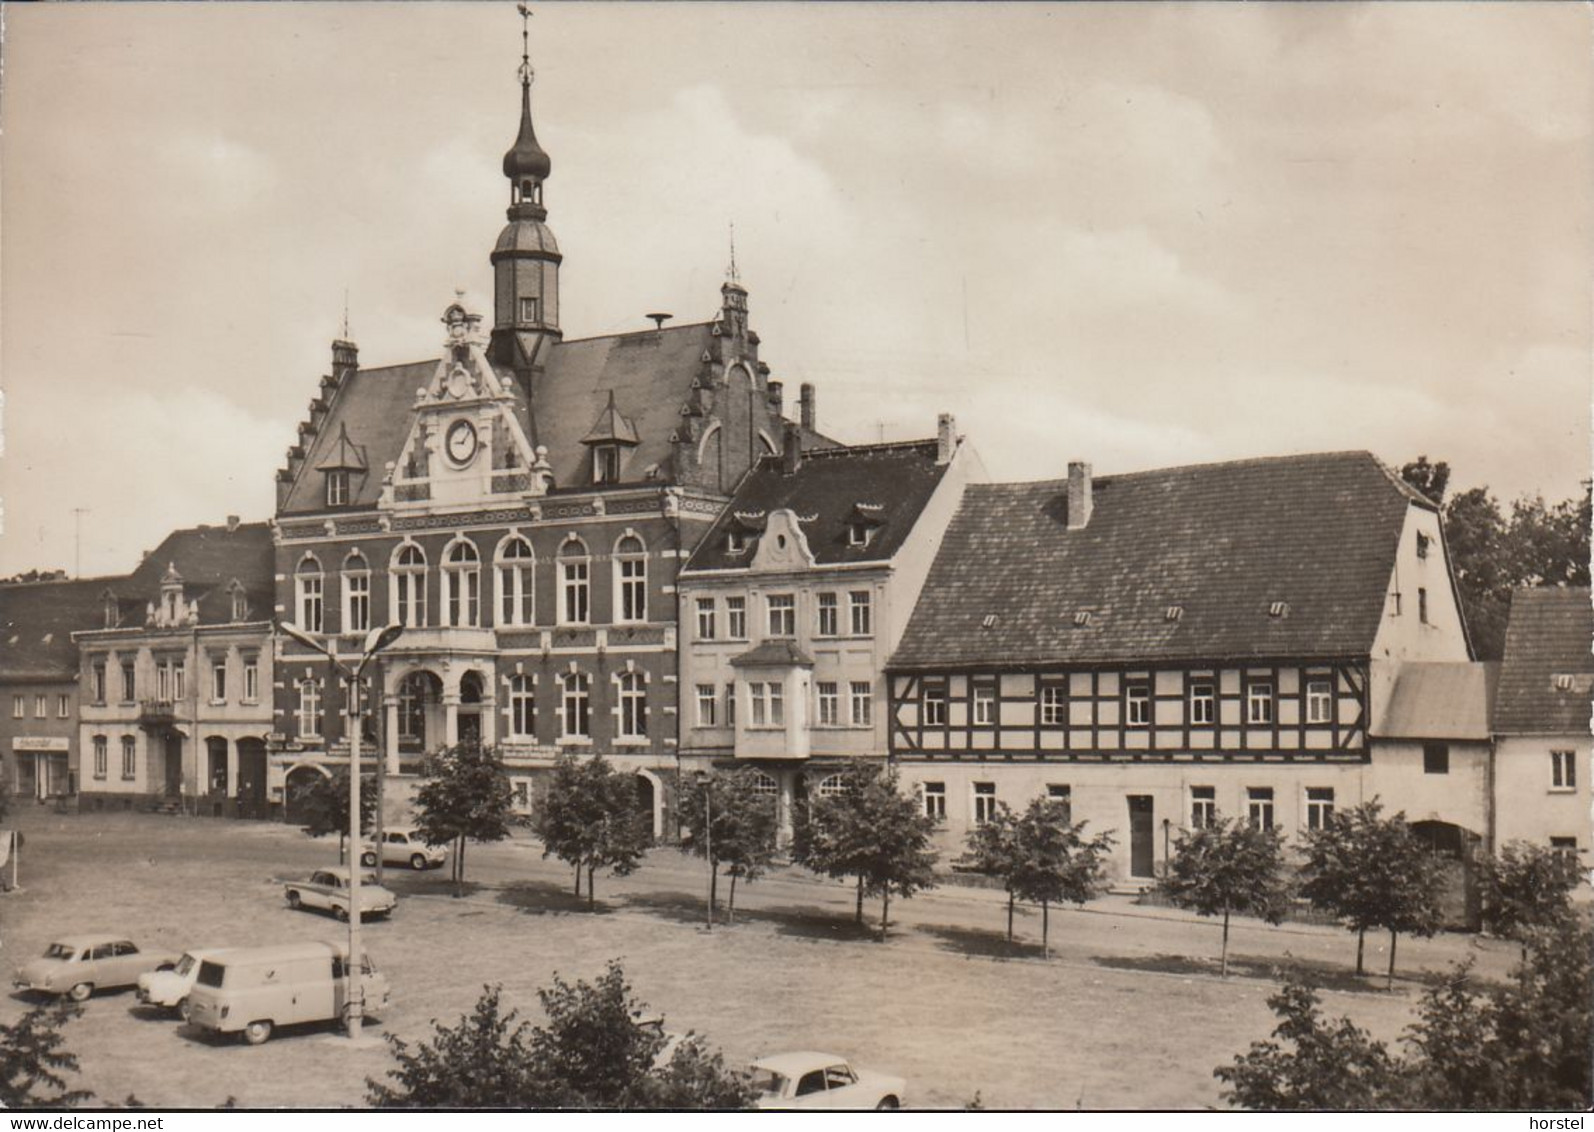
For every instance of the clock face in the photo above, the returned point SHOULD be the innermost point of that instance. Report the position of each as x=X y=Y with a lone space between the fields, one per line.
x=461 y=442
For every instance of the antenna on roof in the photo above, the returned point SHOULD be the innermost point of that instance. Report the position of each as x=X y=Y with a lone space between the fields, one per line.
x=732 y=275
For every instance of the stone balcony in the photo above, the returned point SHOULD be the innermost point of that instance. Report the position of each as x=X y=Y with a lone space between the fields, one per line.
x=436 y=639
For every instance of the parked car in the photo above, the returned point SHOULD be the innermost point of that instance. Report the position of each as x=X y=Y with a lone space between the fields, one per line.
x=822 y=1080
x=78 y=964
x=404 y=847
x=328 y=889
x=253 y=990
x=169 y=986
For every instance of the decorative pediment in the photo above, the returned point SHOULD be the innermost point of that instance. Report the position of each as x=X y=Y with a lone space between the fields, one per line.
x=782 y=546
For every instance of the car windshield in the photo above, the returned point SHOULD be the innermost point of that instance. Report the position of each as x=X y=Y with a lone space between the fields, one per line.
x=186 y=964
x=768 y=1082
x=211 y=974
x=60 y=951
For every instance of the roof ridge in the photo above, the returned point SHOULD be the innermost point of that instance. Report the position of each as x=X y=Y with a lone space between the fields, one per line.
x=865 y=449
x=1297 y=457
x=632 y=333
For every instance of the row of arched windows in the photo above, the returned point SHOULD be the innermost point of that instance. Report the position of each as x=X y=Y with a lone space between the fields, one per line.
x=463 y=594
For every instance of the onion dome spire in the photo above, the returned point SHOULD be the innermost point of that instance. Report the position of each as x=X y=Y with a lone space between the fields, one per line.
x=526 y=159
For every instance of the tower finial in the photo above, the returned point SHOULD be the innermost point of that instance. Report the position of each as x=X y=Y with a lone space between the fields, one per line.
x=732 y=276
x=345 y=314
x=526 y=73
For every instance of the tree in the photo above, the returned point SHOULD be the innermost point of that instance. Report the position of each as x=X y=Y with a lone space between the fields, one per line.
x=1523 y=1046
x=1373 y=872
x=1430 y=479
x=1526 y=887
x=870 y=831
x=1041 y=857
x=743 y=834
x=1311 y=1065
x=465 y=795
x=592 y=1054
x=1228 y=867
x=324 y=802
x=589 y=818
x=33 y=1060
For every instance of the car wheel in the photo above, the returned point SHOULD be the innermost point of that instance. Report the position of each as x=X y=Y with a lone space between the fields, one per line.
x=257 y=1032
x=182 y=1008
x=887 y=1104
x=293 y=900
x=417 y=861
x=368 y=860
x=341 y=912
x=80 y=992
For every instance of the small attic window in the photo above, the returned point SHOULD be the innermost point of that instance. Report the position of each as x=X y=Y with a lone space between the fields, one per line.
x=1563 y=682
x=1422 y=545
x=1174 y=613
x=859 y=534
x=735 y=541
x=110 y=612
x=337 y=488
x=1278 y=609
x=240 y=605
x=1082 y=619
x=989 y=621
x=528 y=309
x=606 y=463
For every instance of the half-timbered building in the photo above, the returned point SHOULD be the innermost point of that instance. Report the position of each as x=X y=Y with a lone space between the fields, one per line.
x=521 y=505
x=1162 y=647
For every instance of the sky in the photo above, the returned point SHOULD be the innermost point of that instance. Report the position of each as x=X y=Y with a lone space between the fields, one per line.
x=1138 y=235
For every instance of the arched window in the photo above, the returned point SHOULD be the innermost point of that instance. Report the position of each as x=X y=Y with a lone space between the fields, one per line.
x=515 y=562
x=409 y=586
x=633 y=706
x=307 y=594
x=462 y=585
x=356 y=593
x=575 y=708
x=763 y=784
x=522 y=707
x=575 y=583
x=832 y=786
x=631 y=580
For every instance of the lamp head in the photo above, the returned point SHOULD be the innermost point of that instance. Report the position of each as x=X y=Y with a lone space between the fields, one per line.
x=379 y=638
x=300 y=635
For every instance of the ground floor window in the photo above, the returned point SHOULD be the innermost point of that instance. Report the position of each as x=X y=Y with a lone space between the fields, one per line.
x=576 y=714
x=1319 y=806
x=1060 y=794
x=129 y=757
x=1259 y=806
x=984 y=802
x=1203 y=806
x=101 y=756
x=1567 y=845
x=935 y=800
x=707 y=705
x=1436 y=758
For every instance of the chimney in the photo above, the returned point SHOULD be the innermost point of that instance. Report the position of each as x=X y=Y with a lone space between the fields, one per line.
x=1079 y=495
x=777 y=398
x=946 y=438
x=232 y=523
x=791 y=455
x=345 y=359
x=805 y=401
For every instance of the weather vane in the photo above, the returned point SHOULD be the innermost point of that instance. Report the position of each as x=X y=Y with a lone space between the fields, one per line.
x=525 y=43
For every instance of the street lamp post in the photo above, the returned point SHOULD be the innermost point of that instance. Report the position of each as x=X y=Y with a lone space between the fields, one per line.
x=375 y=641
x=706 y=781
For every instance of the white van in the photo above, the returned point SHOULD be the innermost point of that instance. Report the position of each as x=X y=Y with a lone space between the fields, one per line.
x=253 y=990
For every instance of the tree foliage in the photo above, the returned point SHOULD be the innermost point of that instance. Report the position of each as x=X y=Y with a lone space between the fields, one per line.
x=1494 y=550
x=589 y=818
x=1041 y=857
x=1522 y=1046
x=743 y=834
x=870 y=831
x=1229 y=867
x=34 y=1062
x=1373 y=872
x=1526 y=887
x=324 y=802
x=465 y=796
x=591 y=1054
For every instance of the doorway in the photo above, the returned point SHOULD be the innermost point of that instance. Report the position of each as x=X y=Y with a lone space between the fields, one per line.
x=174 y=763
x=1142 y=838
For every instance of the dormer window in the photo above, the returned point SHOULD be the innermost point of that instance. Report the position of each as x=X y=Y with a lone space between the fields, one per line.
x=735 y=542
x=240 y=605
x=1278 y=609
x=337 y=488
x=1082 y=619
x=858 y=534
x=112 y=616
x=606 y=463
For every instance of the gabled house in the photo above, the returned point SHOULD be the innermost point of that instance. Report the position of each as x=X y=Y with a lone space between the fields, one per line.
x=795 y=598
x=1541 y=720
x=1161 y=647
x=175 y=681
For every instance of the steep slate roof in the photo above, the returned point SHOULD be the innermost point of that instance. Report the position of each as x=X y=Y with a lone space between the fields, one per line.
x=1440 y=700
x=37 y=620
x=1548 y=635
x=825 y=492
x=208 y=558
x=1220 y=541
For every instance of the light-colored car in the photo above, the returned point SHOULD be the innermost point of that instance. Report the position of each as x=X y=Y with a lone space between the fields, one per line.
x=808 y=1079
x=328 y=890
x=77 y=965
x=405 y=847
x=169 y=986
